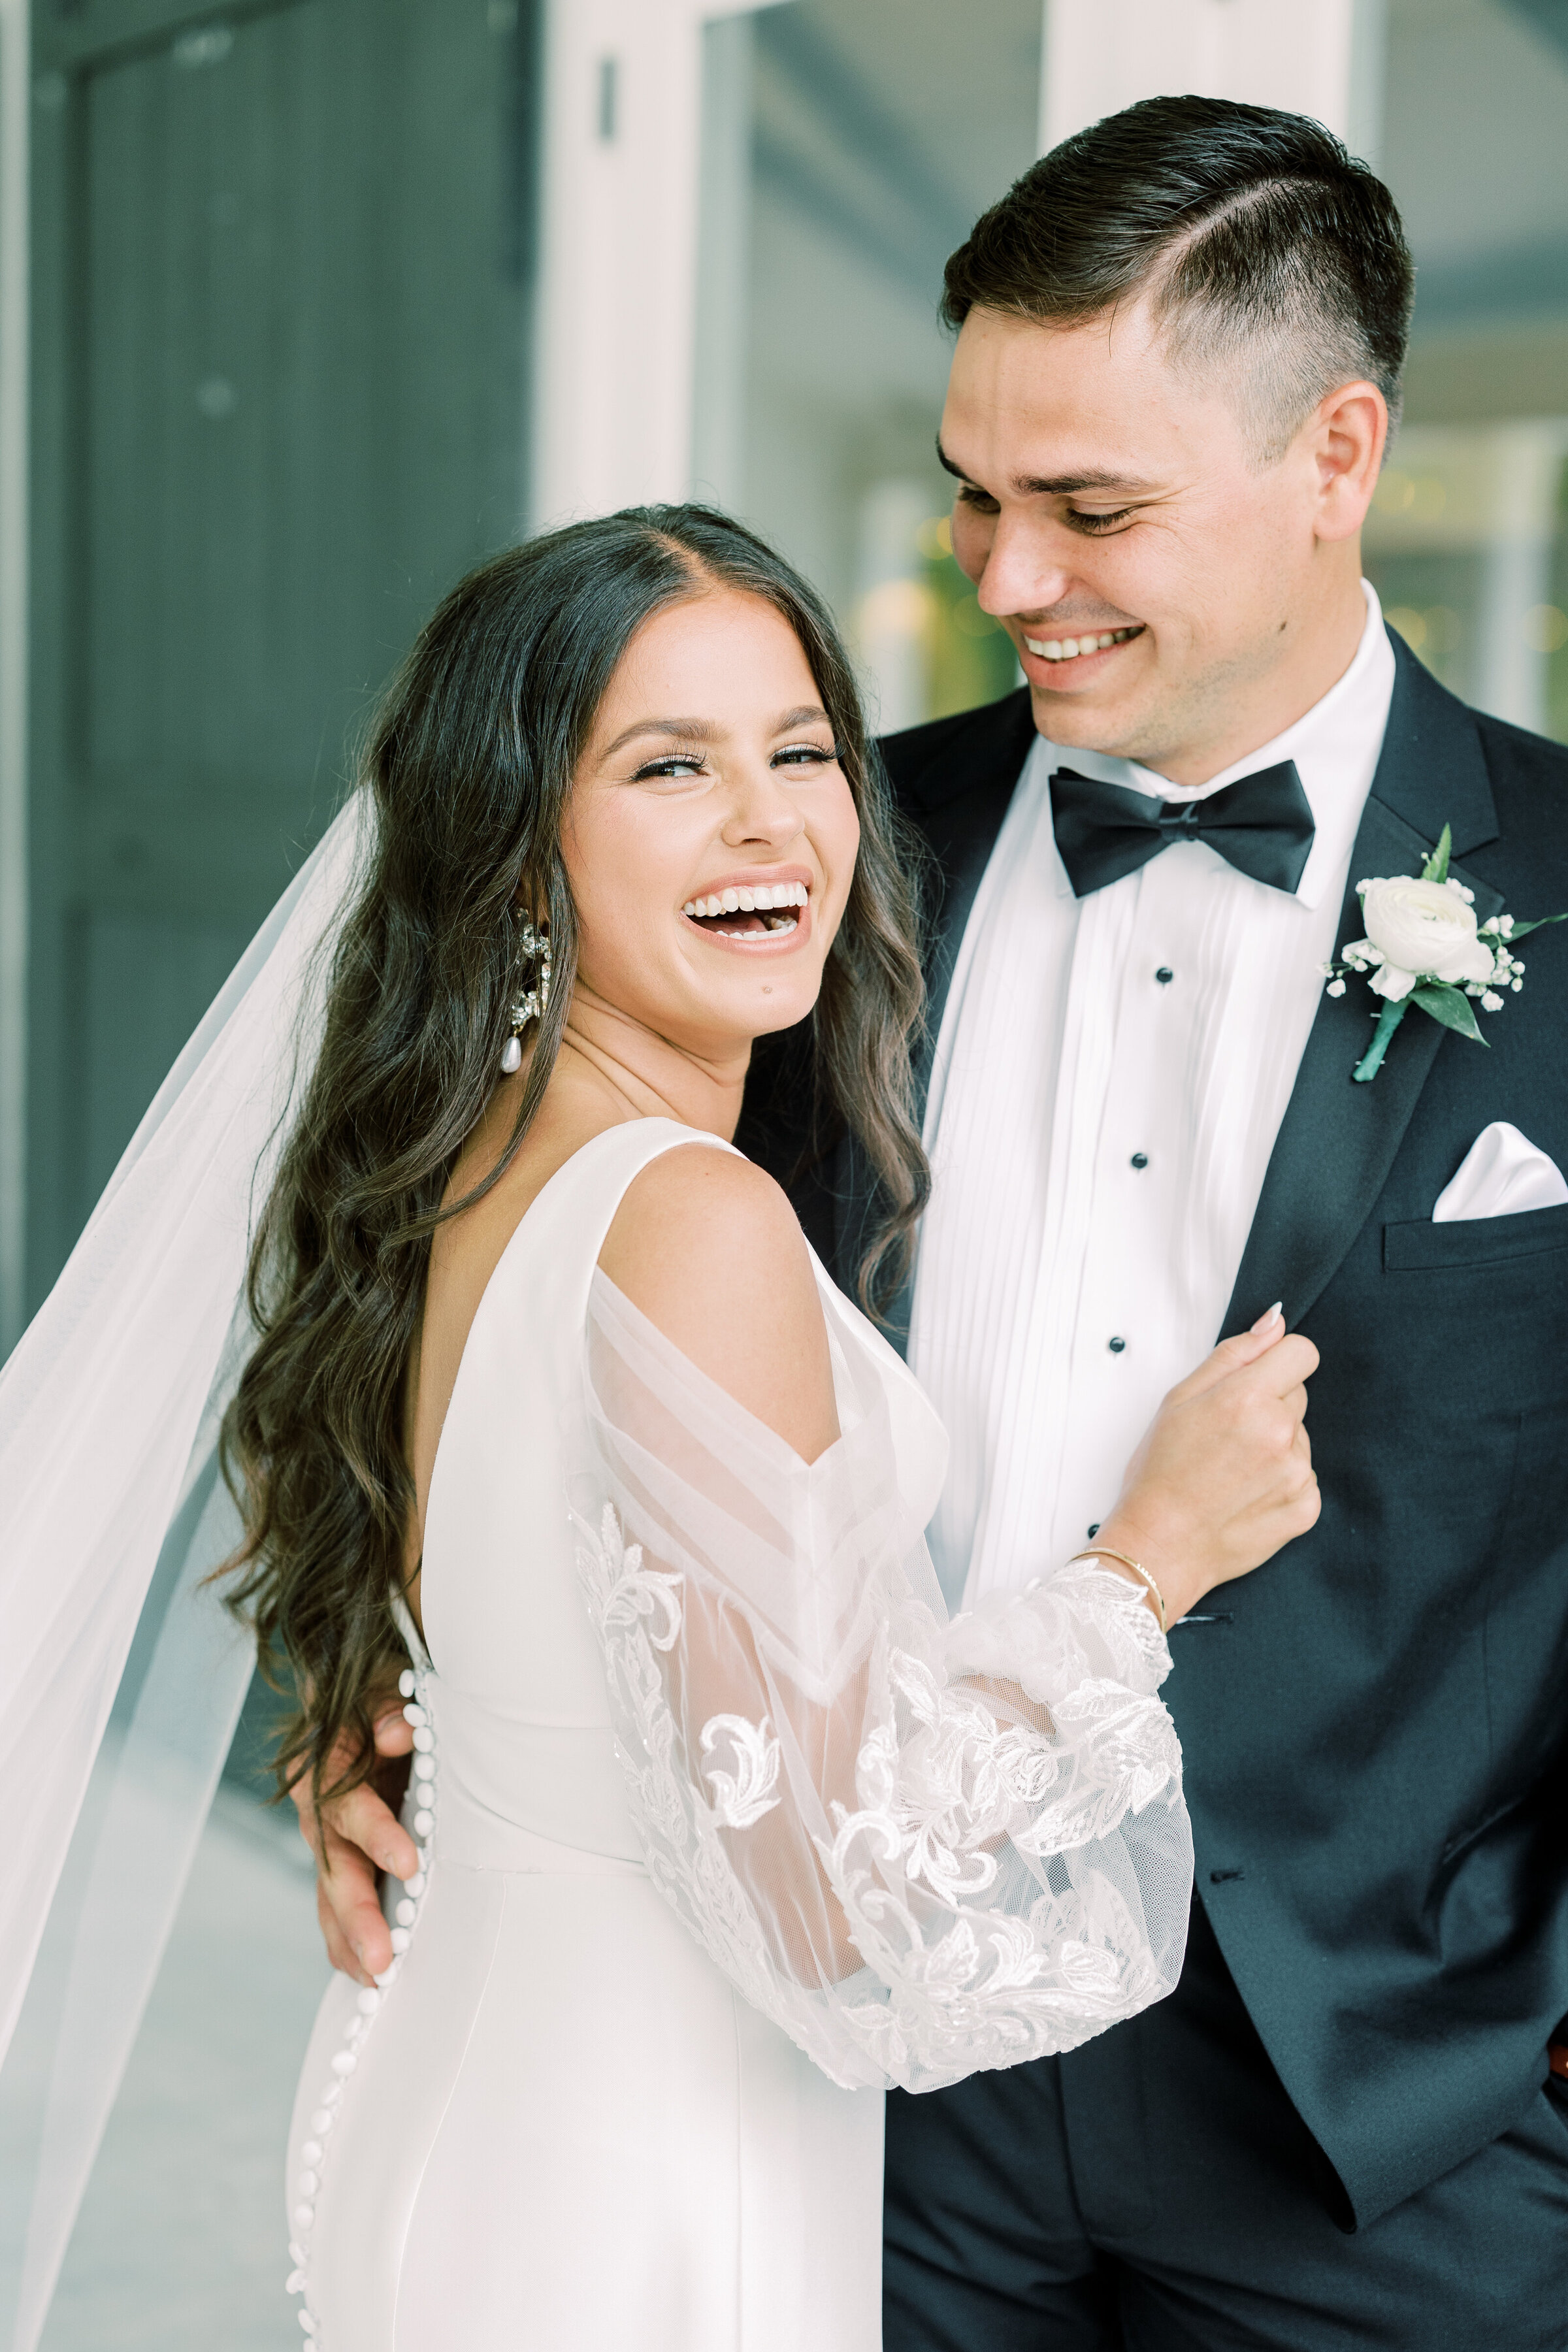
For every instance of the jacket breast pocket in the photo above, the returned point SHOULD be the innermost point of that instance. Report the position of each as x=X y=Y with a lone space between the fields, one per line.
x=1421 y=1246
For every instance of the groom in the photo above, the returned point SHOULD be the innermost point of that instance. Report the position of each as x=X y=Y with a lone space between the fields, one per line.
x=1179 y=341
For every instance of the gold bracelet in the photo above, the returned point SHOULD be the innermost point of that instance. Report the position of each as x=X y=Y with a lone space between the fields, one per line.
x=1104 y=1552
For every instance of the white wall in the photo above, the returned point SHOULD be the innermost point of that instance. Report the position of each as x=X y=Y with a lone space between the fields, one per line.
x=1322 y=58
x=619 y=232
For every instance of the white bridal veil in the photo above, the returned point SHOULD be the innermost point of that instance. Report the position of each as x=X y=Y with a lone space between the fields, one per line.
x=121 y=1677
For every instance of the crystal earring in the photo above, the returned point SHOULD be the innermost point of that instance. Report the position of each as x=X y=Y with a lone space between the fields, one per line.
x=533 y=947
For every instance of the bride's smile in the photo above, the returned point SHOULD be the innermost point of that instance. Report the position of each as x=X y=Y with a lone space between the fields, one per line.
x=753 y=909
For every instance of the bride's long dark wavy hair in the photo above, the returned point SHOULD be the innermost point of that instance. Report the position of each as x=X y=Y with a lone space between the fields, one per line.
x=469 y=768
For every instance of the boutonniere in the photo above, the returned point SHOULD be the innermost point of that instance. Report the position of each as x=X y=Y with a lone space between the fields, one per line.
x=1424 y=946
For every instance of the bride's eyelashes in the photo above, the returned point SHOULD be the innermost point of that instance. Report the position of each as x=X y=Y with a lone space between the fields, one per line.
x=805 y=755
x=671 y=767
x=687 y=767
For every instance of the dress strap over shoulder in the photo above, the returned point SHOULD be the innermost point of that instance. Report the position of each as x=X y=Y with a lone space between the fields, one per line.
x=520 y=1378
x=558 y=1243
x=600 y=1175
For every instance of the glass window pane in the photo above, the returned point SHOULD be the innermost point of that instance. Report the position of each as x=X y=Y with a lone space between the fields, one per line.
x=872 y=133
x=1467 y=542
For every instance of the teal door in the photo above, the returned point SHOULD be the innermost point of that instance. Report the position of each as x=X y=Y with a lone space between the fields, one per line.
x=280 y=255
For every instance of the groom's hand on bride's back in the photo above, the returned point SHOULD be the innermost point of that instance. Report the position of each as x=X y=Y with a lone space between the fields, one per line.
x=358 y=1835
x=1224 y=1477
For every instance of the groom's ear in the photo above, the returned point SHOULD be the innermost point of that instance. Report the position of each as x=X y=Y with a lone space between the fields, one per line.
x=1346 y=436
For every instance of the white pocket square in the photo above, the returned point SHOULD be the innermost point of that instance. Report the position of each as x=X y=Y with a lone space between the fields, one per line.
x=1503 y=1173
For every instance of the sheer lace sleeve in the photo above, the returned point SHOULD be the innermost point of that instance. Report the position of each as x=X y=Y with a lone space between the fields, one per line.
x=923 y=1848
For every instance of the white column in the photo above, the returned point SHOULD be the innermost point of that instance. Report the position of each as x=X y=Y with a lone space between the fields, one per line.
x=14 y=110
x=1322 y=57
x=723 y=265
x=617 y=297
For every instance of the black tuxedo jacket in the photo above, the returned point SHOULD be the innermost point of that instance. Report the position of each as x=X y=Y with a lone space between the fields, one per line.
x=1375 y=1725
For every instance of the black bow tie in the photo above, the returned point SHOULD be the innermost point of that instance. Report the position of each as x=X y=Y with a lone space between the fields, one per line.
x=1262 y=824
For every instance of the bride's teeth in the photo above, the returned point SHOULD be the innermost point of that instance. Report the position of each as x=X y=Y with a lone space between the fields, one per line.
x=758 y=898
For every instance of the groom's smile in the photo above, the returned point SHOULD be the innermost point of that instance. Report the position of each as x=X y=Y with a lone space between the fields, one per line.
x=1071 y=654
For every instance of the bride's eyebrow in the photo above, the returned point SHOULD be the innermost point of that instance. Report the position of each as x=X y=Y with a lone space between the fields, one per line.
x=679 y=730
x=703 y=731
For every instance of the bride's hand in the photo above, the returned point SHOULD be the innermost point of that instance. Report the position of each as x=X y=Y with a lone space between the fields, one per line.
x=1224 y=1477
x=358 y=1835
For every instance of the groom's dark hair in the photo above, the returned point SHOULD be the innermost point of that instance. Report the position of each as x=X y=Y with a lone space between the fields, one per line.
x=1260 y=241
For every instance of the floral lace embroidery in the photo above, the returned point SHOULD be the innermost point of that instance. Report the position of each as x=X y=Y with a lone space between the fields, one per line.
x=742 y=1797
x=944 y=1785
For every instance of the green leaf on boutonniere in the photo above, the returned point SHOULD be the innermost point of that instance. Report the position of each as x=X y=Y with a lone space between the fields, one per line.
x=1436 y=870
x=1449 y=1005
x=1518 y=930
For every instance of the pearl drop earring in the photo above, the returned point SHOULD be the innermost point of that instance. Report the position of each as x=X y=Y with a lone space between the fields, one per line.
x=533 y=948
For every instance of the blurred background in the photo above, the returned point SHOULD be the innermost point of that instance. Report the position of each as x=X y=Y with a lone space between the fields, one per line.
x=306 y=306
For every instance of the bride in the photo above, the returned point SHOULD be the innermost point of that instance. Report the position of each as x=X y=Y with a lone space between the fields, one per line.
x=716 y=1826
x=719 y=1828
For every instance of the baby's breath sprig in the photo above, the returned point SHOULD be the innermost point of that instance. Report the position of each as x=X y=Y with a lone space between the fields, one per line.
x=1425 y=947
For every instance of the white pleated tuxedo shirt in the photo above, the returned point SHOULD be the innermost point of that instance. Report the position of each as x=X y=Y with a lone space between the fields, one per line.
x=1108 y=1085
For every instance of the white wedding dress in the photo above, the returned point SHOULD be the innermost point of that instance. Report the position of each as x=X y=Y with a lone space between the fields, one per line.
x=725 y=1829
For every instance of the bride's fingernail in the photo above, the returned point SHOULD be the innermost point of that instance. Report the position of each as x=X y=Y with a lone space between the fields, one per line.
x=1264 y=1320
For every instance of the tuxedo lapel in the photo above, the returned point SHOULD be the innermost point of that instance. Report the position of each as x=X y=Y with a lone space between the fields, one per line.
x=959 y=801
x=1338 y=1140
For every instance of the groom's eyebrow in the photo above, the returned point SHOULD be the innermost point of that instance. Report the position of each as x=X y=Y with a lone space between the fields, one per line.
x=1056 y=484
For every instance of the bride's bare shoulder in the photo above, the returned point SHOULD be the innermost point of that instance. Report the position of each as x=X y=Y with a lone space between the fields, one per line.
x=696 y=1231
x=707 y=1245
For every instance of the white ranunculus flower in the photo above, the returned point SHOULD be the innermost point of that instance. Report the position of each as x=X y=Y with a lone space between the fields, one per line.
x=1419 y=930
